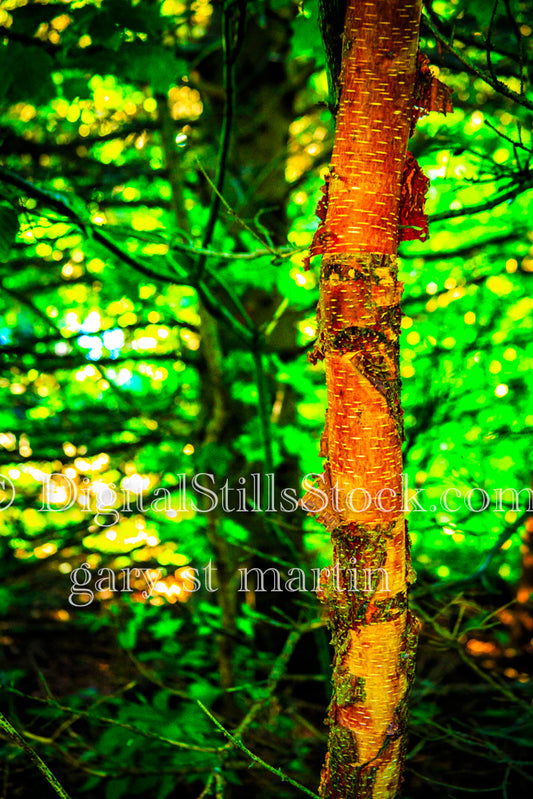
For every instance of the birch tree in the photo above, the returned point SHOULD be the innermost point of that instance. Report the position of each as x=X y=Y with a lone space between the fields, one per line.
x=372 y=199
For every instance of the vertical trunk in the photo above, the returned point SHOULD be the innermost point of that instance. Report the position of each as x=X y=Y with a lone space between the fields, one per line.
x=373 y=633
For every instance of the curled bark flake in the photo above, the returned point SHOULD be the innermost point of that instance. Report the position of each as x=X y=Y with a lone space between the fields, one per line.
x=413 y=221
x=322 y=207
x=317 y=353
x=324 y=238
x=410 y=573
x=429 y=93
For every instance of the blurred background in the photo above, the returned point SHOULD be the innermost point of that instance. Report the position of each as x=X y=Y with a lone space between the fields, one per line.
x=161 y=163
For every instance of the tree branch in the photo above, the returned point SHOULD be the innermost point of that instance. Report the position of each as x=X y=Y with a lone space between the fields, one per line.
x=225 y=138
x=495 y=84
x=239 y=745
x=485 y=206
x=19 y=741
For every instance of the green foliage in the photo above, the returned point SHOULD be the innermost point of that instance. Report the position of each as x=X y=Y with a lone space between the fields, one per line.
x=28 y=73
x=147 y=336
x=9 y=226
x=305 y=43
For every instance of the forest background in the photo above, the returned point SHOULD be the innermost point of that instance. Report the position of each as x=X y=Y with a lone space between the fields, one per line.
x=161 y=167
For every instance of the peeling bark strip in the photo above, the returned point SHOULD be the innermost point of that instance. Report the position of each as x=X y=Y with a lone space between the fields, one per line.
x=372 y=199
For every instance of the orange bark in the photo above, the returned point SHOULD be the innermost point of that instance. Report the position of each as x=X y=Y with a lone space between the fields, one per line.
x=365 y=203
x=373 y=124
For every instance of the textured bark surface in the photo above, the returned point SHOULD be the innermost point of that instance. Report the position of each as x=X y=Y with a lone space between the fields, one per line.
x=373 y=634
x=376 y=85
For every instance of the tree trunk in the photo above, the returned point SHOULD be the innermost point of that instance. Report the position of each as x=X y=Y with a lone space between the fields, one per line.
x=373 y=186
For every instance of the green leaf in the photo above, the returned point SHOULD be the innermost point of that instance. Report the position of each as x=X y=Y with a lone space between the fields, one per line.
x=116 y=788
x=28 y=18
x=305 y=43
x=135 y=16
x=143 y=63
x=26 y=72
x=91 y=783
x=166 y=786
x=9 y=226
x=160 y=701
x=128 y=637
x=214 y=459
x=112 y=740
x=202 y=689
x=234 y=531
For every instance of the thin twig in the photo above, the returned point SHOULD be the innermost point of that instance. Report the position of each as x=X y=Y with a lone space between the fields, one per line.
x=263 y=402
x=225 y=138
x=519 y=42
x=433 y=781
x=453 y=643
x=123 y=724
x=266 y=434
x=281 y=252
x=17 y=739
x=59 y=203
x=486 y=206
x=220 y=311
x=498 y=85
x=234 y=214
x=239 y=745
x=489 y=42
x=273 y=678
x=480 y=572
